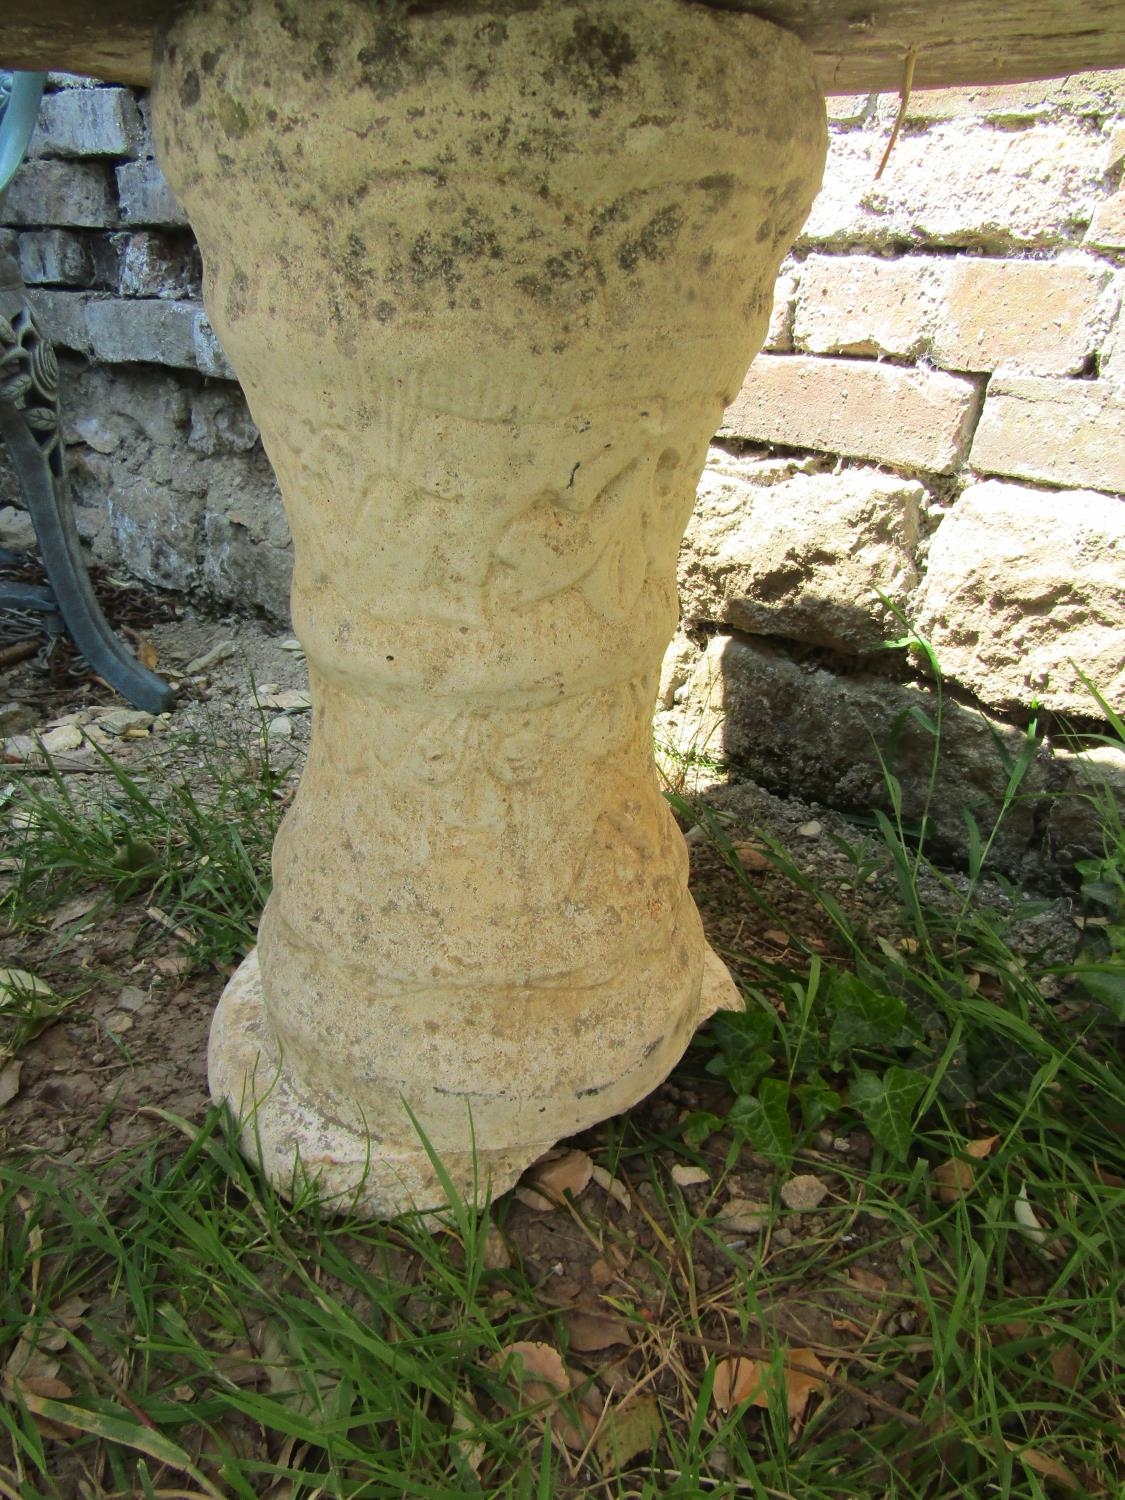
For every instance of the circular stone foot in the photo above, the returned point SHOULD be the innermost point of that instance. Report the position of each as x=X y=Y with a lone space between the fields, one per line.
x=296 y=1143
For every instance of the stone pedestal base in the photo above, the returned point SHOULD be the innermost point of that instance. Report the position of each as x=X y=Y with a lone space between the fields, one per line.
x=488 y=277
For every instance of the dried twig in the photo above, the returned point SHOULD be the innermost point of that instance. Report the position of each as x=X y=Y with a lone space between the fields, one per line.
x=904 y=100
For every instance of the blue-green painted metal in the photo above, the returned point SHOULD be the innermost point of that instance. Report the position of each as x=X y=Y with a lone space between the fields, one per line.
x=20 y=94
x=30 y=431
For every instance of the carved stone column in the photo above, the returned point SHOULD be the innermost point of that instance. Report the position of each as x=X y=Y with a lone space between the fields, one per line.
x=488 y=275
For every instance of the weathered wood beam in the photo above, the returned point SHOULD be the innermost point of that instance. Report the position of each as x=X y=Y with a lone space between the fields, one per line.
x=860 y=45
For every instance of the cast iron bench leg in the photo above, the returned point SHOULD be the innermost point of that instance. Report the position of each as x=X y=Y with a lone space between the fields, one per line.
x=29 y=429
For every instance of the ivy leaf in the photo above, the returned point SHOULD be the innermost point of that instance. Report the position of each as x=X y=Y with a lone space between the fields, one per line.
x=865 y=1017
x=817 y=1100
x=763 y=1119
x=887 y=1106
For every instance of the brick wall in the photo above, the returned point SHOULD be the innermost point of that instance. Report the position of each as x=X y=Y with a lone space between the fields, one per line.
x=935 y=426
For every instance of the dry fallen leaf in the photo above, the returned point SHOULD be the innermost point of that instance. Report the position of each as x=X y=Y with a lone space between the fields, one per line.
x=804 y=1191
x=982 y=1147
x=952 y=1180
x=495 y=1255
x=738 y=1380
x=629 y=1430
x=546 y=1378
x=685 y=1176
x=868 y=1280
x=1066 y=1364
x=147 y=654
x=1043 y=1464
x=542 y=1187
x=589 y=1330
x=10 y=1081
x=609 y=1184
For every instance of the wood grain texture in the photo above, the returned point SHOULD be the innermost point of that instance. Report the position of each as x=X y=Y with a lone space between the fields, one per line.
x=860 y=45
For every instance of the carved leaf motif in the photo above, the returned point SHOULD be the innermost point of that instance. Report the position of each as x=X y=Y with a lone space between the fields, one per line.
x=7 y=333
x=41 y=419
x=15 y=388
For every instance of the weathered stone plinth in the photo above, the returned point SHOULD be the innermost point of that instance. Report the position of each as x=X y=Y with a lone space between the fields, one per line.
x=488 y=277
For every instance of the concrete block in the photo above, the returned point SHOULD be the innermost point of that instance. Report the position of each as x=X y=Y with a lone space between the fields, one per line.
x=87 y=122
x=209 y=356
x=863 y=304
x=915 y=419
x=146 y=197
x=1023 y=588
x=147 y=332
x=1061 y=432
x=73 y=194
x=55 y=257
x=1036 y=316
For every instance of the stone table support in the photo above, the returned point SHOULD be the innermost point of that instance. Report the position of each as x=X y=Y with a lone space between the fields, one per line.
x=488 y=275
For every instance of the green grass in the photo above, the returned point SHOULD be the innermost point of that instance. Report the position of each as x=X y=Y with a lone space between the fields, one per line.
x=170 y=1327
x=194 y=842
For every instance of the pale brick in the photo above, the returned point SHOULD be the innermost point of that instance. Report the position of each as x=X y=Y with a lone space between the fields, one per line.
x=1023 y=588
x=1107 y=227
x=959 y=185
x=1063 y=432
x=911 y=418
x=779 y=339
x=87 y=122
x=1037 y=316
x=73 y=194
x=145 y=332
x=860 y=304
x=55 y=256
x=146 y=197
x=1083 y=95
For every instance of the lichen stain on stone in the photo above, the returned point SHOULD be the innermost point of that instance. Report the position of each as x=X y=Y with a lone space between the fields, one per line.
x=595 y=57
x=232 y=116
x=656 y=240
x=189 y=89
x=392 y=60
x=210 y=61
x=238 y=296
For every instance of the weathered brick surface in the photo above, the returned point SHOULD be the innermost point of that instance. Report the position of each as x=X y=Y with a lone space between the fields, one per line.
x=1021 y=585
x=62 y=316
x=863 y=304
x=147 y=332
x=209 y=356
x=145 y=196
x=55 y=257
x=1040 y=316
x=72 y=194
x=87 y=122
x=914 y=418
x=960 y=185
x=1084 y=95
x=780 y=551
x=152 y=264
x=1107 y=227
x=779 y=339
x=1063 y=432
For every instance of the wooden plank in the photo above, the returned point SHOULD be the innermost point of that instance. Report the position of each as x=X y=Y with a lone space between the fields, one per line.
x=860 y=45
